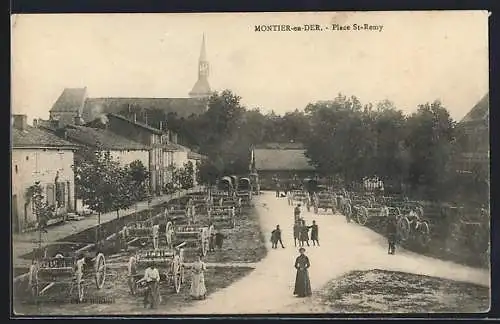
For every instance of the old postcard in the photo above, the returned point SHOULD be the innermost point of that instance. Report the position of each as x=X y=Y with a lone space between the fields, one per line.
x=250 y=163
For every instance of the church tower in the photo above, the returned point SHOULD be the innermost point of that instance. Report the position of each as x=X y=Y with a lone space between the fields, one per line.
x=201 y=88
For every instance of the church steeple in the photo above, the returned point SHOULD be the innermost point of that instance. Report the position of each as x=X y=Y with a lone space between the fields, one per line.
x=201 y=88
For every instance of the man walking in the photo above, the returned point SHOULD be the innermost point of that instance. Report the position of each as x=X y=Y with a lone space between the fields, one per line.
x=276 y=237
x=314 y=233
x=391 y=231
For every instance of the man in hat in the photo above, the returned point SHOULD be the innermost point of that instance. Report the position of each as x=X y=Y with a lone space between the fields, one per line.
x=132 y=271
x=276 y=237
x=314 y=233
x=152 y=279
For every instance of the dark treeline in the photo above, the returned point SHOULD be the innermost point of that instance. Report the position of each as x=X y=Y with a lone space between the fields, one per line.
x=343 y=138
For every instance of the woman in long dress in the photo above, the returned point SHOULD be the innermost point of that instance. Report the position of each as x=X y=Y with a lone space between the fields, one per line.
x=302 y=283
x=198 y=289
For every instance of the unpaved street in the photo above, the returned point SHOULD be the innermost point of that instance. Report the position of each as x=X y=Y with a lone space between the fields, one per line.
x=344 y=247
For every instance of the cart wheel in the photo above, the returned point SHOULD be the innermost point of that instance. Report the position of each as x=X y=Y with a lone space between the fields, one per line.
x=33 y=281
x=404 y=228
x=423 y=233
x=100 y=270
x=362 y=215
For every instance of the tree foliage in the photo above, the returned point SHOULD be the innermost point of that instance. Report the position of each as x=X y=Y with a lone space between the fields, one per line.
x=42 y=210
x=344 y=139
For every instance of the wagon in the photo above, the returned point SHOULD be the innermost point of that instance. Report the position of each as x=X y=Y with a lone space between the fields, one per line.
x=180 y=214
x=325 y=201
x=226 y=185
x=195 y=236
x=222 y=217
x=244 y=190
x=230 y=202
x=300 y=197
x=352 y=204
x=170 y=263
x=47 y=272
x=370 y=210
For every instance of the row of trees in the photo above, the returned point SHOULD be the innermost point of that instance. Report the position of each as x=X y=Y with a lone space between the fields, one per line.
x=342 y=137
x=105 y=186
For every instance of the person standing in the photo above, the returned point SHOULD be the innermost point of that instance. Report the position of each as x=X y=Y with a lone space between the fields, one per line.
x=314 y=233
x=211 y=243
x=276 y=237
x=302 y=282
x=152 y=280
x=304 y=233
x=296 y=233
x=198 y=289
x=391 y=231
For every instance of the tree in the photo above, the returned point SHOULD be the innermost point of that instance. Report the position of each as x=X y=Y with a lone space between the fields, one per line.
x=429 y=142
x=186 y=175
x=42 y=210
x=99 y=180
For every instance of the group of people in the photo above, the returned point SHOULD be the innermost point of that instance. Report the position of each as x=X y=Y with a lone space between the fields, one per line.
x=152 y=277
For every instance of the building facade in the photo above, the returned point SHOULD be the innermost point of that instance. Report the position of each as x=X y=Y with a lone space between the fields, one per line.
x=39 y=156
x=286 y=161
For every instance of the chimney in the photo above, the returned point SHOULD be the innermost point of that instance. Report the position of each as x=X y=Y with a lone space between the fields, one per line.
x=78 y=120
x=21 y=122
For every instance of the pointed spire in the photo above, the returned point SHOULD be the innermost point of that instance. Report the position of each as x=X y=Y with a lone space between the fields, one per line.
x=203 y=54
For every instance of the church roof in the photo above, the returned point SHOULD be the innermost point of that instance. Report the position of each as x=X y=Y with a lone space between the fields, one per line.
x=70 y=100
x=183 y=107
x=281 y=159
x=201 y=88
x=480 y=112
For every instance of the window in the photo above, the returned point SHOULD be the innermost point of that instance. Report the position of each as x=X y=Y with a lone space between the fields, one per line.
x=16 y=169
x=27 y=158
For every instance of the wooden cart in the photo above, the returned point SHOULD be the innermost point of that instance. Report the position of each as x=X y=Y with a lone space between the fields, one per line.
x=70 y=272
x=169 y=261
x=195 y=236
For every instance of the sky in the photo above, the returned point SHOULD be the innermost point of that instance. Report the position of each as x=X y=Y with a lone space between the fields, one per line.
x=417 y=57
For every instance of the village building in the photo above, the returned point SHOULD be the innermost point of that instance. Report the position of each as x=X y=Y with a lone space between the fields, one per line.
x=284 y=160
x=74 y=102
x=40 y=156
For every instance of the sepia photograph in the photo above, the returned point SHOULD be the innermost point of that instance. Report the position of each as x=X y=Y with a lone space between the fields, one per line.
x=250 y=163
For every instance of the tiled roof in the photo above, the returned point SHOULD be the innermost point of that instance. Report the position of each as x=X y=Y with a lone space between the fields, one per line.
x=201 y=88
x=278 y=159
x=71 y=100
x=34 y=137
x=480 y=112
x=102 y=138
x=136 y=123
x=184 y=107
